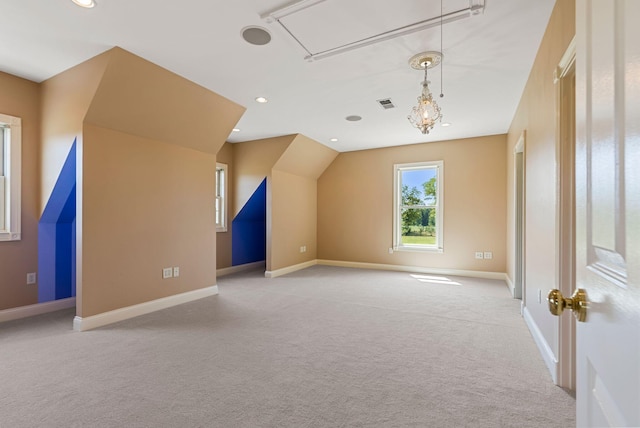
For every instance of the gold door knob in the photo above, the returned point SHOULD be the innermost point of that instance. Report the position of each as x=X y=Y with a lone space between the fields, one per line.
x=576 y=303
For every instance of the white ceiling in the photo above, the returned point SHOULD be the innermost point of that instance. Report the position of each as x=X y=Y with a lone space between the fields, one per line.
x=487 y=59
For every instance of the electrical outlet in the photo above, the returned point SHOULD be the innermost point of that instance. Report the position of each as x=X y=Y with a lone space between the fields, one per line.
x=167 y=273
x=31 y=278
x=176 y=271
x=390 y=250
x=488 y=255
x=302 y=249
x=479 y=255
x=539 y=296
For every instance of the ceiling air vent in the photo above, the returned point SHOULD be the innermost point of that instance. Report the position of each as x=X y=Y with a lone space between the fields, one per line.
x=386 y=103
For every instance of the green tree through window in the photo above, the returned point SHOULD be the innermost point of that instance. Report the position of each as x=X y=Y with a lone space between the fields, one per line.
x=418 y=210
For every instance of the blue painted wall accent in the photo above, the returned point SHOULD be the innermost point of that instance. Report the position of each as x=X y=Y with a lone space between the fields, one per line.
x=249 y=239
x=57 y=237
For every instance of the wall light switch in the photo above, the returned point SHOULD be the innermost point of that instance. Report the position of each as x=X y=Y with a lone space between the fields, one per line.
x=479 y=255
x=167 y=272
x=488 y=255
x=176 y=271
x=31 y=278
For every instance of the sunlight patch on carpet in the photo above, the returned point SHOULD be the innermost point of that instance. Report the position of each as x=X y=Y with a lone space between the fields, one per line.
x=434 y=279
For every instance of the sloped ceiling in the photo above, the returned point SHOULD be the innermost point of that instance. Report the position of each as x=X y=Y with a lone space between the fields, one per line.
x=488 y=57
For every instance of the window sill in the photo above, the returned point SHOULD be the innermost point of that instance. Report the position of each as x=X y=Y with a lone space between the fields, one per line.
x=6 y=236
x=418 y=249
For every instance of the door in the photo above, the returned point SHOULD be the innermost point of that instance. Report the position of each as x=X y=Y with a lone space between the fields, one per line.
x=608 y=211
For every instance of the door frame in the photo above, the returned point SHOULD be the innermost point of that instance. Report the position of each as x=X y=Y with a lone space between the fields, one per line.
x=519 y=188
x=564 y=79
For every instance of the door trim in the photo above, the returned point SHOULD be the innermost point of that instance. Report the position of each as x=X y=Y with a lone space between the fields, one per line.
x=564 y=79
x=519 y=198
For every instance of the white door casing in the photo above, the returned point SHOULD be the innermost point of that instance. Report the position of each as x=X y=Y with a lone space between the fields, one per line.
x=608 y=211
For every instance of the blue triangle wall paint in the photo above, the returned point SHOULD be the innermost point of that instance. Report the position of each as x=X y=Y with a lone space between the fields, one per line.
x=249 y=239
x=57 y=237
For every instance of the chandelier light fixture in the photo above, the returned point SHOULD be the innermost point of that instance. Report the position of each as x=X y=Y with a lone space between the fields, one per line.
x=425 y=115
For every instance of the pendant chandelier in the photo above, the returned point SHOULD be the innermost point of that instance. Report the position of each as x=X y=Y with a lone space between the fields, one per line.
x=425 y=115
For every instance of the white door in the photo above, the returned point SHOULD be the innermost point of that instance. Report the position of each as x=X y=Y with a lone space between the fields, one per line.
x=608 y=211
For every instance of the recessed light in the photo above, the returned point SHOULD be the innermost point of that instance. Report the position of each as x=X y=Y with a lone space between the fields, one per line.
x=262 y=100
x=236 y=130
x=85 y=3
x=445 y=124
x=333 y=140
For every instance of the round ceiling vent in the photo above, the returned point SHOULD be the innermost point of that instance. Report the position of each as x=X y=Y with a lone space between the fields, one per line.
x=256 y=35
x=353 y=118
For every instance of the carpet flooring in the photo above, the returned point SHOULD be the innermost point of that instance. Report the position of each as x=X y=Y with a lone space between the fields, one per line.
x=322 y=347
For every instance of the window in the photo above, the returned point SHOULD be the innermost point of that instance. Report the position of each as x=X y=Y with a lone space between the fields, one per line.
x=417 y=214
x=221 y=197
x=10 y=163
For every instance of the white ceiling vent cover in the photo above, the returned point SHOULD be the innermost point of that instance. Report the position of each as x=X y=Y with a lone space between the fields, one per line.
x=386 y=103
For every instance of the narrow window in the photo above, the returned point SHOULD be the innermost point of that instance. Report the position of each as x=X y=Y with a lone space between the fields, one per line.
x=418 y=206
x=10 y=164
x=221 y=197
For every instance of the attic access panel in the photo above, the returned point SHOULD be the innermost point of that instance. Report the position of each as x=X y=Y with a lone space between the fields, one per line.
x=327 y=27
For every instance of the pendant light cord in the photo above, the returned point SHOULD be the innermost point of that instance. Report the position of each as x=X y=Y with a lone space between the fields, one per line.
x=442 y=53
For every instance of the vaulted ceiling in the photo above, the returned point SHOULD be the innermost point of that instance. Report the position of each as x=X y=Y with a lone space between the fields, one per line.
x=326 y=59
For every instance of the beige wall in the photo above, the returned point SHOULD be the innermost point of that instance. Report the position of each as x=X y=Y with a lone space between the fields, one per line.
x=21 y=98
x=291 y=165
x=146 y=205
x=305 y=157
x=537 y=115
x=294 y=202
x=355 y=205
x=293 y=219
x=145 y=187
x=65 y=100
x=252 y=162
x=140 y=98
x=223 y=239
x=148 y=185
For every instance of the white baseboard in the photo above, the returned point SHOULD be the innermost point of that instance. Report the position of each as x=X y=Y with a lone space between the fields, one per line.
x=37 y=309
x=95 y=321
x=290 y=269
x=241 y=268
x=549 y=358
x=512 y=288
x=416 y=269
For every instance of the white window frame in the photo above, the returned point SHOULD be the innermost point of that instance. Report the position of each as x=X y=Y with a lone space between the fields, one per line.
x=397 y=203
x=221 y=197
x=10 y=185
